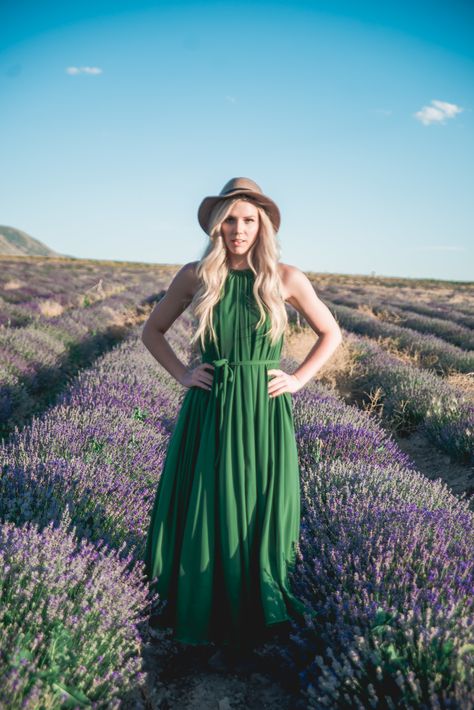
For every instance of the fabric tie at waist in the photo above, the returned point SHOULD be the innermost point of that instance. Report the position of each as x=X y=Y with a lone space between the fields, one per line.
x=224 y=374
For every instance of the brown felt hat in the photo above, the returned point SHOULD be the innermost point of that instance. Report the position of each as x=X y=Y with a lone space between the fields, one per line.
x=239 y=186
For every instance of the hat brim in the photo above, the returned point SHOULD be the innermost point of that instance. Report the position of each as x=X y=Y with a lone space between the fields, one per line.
x=208 y=204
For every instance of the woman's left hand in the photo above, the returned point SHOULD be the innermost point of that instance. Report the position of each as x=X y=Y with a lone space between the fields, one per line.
x=282 y=382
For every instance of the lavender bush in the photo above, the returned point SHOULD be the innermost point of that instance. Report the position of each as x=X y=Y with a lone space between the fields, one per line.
x=85 y=464
x=386 y=563
x=37 y=360
x=441 y=306
x=431 y=351
x=327 y=429
x=406 y=315
x=35 y=289
x=413 y=398
x=99 y=450
x=70 y=618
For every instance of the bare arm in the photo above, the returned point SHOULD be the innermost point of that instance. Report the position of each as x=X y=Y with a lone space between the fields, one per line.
x=177 y=298
x=302 y=296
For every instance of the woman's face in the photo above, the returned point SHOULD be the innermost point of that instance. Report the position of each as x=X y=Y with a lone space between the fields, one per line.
x=240 y=228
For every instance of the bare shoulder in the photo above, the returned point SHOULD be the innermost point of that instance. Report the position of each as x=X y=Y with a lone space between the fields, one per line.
x=187 y=279
x=177 y=298
x=300 y=293
x=293 y=279
x=183 y=285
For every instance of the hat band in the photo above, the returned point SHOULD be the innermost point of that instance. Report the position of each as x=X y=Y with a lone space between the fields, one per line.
x=237 y=190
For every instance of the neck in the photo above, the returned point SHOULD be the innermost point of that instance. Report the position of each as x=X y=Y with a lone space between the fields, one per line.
x=240 y=265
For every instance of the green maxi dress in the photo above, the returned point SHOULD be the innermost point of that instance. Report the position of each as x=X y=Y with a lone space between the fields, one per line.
x=226 y=516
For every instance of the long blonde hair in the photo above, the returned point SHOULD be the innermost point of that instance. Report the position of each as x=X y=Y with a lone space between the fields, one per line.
x=213 y=268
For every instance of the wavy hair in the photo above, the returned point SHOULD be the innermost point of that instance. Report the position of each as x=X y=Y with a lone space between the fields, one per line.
x=213 y=268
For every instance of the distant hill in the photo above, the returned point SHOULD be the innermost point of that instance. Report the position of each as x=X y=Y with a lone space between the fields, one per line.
x=14 y=242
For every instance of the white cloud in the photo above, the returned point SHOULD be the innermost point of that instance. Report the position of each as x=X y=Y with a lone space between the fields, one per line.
x=84 y=70
x=438 y=112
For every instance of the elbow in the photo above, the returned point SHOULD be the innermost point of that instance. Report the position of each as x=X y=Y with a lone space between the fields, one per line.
x=149 y=331
x=334 y=334
x=333 y=337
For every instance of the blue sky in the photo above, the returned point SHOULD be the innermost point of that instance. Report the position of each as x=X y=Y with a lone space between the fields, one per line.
x=117 y=118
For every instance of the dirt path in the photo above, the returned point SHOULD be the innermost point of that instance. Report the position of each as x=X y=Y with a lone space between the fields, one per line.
x=434 y=464
x=179 y=678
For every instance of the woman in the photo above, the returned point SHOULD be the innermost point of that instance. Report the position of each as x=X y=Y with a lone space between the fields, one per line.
x=226 y=517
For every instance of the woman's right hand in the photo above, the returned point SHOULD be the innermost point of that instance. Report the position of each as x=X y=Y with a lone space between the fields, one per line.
x=199 y=376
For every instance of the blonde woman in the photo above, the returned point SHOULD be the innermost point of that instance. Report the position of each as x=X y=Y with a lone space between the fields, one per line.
x=226 y=516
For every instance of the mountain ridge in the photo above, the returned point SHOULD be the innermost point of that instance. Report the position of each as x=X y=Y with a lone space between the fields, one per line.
x=14 y=242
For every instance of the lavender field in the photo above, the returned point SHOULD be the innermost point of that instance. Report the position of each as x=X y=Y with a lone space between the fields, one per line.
x=57 y=315
x=385 y=558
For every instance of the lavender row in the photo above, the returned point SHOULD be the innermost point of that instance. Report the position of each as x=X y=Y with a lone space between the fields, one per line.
x=407 y=317
x=71 y=618
x=75 y=492
x=430 y=351
x=37 y=360
x=451 y=313
x=455 y=305
x=47 y=310
x=99 y=448
x=413 y=399
x=34 y=289
x=386 y=565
